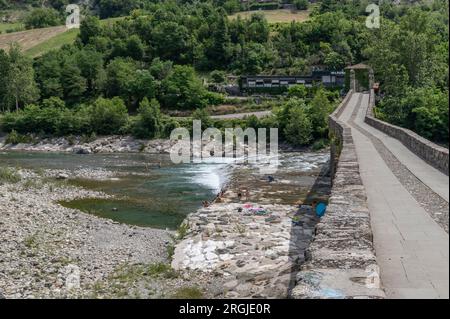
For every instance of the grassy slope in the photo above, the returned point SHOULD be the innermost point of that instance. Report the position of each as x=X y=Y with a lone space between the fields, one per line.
x=9 y=26
x=276 y=16
x=56 y=42
x=34 y=46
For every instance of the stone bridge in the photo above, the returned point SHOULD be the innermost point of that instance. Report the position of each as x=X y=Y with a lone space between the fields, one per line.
x=385 y=234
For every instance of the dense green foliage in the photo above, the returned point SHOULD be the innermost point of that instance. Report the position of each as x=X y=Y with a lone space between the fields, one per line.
x=42 y=18
x=154 y=57
x=410 y=57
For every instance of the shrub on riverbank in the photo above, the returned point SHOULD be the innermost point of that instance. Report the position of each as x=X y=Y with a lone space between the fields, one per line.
x=8 y=175
x=300 y=121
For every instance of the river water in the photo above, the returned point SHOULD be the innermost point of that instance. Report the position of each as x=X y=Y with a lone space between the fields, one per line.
x=147 y=194
x=151 y=191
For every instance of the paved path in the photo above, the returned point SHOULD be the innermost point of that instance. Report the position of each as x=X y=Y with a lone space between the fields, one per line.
x=412 y=249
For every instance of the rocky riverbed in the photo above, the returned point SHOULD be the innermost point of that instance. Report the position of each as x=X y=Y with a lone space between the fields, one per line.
x=49 y=251
x=80 y=145
x=249 y=243
x=255 y=235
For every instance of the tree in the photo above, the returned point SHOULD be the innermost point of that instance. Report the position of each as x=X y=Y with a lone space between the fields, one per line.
x=301 y=4
x=160 y=69
x=108 y=116
x=116 y=8
x=4 y=76
x=149 y=121
x=253 y=58
x=203 y=116
x=59 y=5
x=300 y=91
x=142 y=86
x=318 y=111
x=334 y=61
x=48 y=74
x=218 y=77
x=73 y=84
x=120 y=72
x=171 y=41
x=90 y=28
x=90 y=63
x=135 y=48
x=299 y=129
x=218 y=49
x=183 y=89
x=22 y=88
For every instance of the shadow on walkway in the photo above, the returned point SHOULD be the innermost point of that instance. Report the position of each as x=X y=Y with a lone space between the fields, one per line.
x=302 y=232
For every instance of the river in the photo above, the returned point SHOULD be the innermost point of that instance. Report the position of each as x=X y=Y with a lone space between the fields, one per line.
x=150 y=191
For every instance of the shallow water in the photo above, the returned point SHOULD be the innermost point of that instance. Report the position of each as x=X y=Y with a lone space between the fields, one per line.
x=146 y=194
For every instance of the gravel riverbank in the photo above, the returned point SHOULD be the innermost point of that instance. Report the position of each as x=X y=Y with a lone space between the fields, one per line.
x=49 y=251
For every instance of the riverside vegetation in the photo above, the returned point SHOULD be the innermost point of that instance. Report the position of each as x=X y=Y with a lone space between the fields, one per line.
x=160 y=53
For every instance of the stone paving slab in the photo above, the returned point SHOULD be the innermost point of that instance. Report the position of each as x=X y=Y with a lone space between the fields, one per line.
x=411 y=247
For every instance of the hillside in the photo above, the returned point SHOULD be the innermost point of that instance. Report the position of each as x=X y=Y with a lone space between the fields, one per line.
x=39 y=41
x=30 y=38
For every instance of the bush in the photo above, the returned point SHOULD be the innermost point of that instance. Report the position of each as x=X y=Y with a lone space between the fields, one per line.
x=214 y=98
x=16 y=138
x=183 y=89
x=298 y=130
x=318 y=111
x=109 y=115
x=8 y=175
x=42 y=18
x=320 y=145
x=218 y=77
x=301 y=4
x=300 y=91
x=149 y=123
x=169 y=124
x=203 y=116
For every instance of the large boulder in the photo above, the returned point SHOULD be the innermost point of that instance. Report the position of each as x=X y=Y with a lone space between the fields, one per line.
x=82 y=150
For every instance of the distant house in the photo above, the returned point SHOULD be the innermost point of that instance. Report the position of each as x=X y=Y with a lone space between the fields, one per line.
x=280 y=83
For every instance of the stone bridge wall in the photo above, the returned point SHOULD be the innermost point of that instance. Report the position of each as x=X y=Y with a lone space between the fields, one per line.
x=430 y=152
x=341 y=261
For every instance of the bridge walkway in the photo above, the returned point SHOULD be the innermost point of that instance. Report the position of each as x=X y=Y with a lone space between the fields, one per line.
x=408 y=202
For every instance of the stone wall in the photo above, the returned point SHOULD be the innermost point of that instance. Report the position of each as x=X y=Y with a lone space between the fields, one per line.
x=430 y=152
x=341 y=262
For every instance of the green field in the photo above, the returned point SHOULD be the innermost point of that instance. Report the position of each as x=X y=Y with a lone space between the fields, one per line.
x=56 y=42
x=276 y=16
x=9 y=26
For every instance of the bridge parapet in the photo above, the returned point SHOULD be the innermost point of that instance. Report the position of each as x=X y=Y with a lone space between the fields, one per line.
x=341 y=261
x=430 y=152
